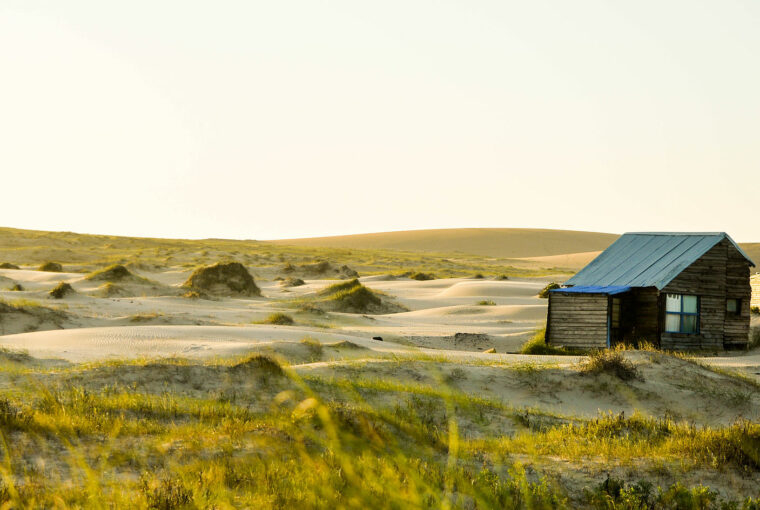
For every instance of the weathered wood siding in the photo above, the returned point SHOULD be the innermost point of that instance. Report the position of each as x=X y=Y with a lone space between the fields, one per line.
x=577 y=320
x=755 y=283
x=720 y=274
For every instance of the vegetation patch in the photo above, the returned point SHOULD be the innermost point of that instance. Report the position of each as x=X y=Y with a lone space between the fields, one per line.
x=421 y=277
x=261 y=364
x=611 y=362
x=61 y=290
x=53 y=267
x=226 y=278
x=486 y=302
x=278 y=318
x=16 y=287
x=755 y=310
x=292 y=282
x=113 y=273
x=544 y=293
x=537 y=345
x=8 y=265
x=353 y=297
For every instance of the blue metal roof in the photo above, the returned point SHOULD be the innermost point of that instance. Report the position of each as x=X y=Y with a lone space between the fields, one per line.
x=648 y=259
x=593 y=289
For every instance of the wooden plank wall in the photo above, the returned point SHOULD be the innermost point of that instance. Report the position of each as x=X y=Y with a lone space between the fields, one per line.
x=736 y=327
x=705 y=278
x=577 y=320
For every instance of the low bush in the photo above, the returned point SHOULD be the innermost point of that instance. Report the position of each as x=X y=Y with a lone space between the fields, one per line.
x=279 y=318
x=8 y=265
x=486 y=302
x=419 y=276
x=61 y=290
x=53 y=267
x=610 y=362
x=755 y=310
x=17 y=287
x=545 y=291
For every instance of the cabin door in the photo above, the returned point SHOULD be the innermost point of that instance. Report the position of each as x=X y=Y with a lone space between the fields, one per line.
x=614 y=321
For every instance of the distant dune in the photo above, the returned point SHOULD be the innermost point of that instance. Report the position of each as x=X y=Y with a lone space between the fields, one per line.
x=491 y=242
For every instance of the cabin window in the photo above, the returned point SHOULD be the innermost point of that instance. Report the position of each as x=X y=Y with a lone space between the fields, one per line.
x=681 y=314
x=733 y=307
x=615 y=319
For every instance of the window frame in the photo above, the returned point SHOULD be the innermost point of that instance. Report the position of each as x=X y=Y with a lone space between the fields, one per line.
x=738 y=311
x=681 y=314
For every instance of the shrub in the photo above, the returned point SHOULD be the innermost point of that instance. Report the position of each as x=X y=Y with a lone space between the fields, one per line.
x=53 y=267
x=486 y=302
x=479 y=276
x=537 y=345
x=292 y=282
x=61 y=290
x=612 y=363
x=755 y=310
x=191 y=294
x=279 y=319
x=545 y=291
x=17 y=287
x=419 y=276
x=8 y=265
x=225 y=278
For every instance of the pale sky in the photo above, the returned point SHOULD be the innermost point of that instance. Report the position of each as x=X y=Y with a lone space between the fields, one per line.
x=279 y=119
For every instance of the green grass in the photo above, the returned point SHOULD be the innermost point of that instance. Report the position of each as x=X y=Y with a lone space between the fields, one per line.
x=537 y=345
x=544 y=293
x=257 y=433
x=486 y=302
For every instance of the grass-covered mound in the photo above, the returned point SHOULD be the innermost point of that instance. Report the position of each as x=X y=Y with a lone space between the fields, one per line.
x=113 y=273
x=23 y=315
x=290 y=281
x=224 y=278
x=53 y=267
x=8 y=265
x=353 y=297
x=321 y=269
x=61 y=290
x=280 y=319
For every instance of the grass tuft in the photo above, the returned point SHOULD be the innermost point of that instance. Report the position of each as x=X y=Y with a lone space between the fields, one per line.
x=544 y=293
x=278 y=318
x=61 y=290
x=537 y=345
x=611 y=362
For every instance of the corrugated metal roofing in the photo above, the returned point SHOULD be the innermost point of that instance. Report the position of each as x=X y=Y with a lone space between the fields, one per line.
x=593 y=289
x=648 y=259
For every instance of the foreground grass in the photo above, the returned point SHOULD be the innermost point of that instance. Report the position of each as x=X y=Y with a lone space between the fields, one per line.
x=254 y=433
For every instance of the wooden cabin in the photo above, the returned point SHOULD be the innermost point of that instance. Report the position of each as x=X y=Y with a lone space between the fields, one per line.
x=755 y=284
x=677 y=291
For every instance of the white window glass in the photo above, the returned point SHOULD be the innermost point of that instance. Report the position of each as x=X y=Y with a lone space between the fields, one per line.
x=690 y=304
x=673 y=303
x=689 y=324
x=672 y=322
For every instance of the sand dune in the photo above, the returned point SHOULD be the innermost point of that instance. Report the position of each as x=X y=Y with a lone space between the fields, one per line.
x=492 y=242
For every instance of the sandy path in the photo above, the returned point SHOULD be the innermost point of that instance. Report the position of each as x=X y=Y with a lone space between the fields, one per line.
x=90 y=344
